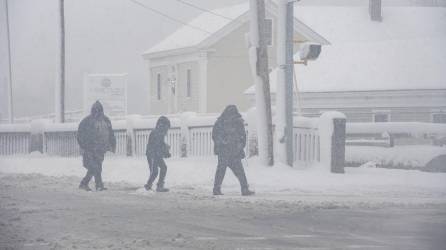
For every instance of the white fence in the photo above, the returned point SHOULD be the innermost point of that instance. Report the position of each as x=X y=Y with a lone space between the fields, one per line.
x=14 y=143
x=188 y=137
x=173 y=139
x=306 y=142
x=200 y=141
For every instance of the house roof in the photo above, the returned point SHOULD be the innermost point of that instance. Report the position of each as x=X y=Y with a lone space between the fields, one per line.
x=211 y=27
x=404 y=51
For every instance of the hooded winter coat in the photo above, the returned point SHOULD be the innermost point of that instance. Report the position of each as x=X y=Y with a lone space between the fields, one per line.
x=156 y=147
x=229 y=134
x=95 y=133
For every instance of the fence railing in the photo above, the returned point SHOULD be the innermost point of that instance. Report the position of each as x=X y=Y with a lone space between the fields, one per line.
x=188 y=137
x=200 y=141
x=14 y=143
x=388 y=134
x=61 y=143
x=306 y=143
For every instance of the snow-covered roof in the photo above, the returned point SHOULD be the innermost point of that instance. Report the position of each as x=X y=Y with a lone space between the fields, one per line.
x=407 y=50
x=187 y=36
x=205 y=28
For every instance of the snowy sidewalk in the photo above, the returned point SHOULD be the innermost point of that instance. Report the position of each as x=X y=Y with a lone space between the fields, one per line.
x=274 y=183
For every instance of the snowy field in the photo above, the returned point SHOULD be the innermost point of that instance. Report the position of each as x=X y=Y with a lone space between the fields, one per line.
x=312 y=184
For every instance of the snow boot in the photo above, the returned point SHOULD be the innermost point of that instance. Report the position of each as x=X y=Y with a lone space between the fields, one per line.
x=148 y=187
x=247 y=192
x=100 y=187
x=84 y=187
x=161 y=188
x=217 y=191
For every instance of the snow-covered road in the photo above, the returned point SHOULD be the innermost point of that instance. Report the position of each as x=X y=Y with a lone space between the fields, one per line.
x=41 y=212
x=368 y=185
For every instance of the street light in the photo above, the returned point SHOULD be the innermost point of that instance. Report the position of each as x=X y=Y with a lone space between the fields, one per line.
x=308 y=52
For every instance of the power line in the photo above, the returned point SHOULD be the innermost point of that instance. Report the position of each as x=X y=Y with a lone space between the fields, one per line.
x=205 y=10
x=169 y=17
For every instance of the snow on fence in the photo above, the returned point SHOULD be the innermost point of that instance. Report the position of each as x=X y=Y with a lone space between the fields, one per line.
x=190 y=136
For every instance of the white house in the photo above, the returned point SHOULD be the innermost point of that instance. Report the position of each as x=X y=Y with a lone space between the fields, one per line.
x=204 y=66
x=390 y=69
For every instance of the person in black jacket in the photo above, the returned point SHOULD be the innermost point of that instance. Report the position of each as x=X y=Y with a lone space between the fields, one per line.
x=95 y=137
x=229 y=138
x=156 y=150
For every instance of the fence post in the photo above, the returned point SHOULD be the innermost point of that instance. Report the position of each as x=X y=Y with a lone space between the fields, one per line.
x=338 y=146
x=130 y=138
x=37 y=135
x=185 y=140
x=332 y=141
x=251 y=117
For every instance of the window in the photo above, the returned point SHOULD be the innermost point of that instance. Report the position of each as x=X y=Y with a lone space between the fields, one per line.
x=381 y=117
x=439 y=118
x=269 y=31
x=158 y=86
x=189 y=83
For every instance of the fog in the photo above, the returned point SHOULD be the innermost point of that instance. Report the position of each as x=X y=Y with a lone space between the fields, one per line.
x=102 y=36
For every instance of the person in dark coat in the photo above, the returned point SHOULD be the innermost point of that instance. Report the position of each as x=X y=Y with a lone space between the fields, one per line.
x=156 y=151
x=229 y=138
x=95 y=137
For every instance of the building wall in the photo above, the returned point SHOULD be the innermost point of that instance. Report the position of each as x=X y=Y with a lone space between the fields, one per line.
x=229 y=71
x=360 y=106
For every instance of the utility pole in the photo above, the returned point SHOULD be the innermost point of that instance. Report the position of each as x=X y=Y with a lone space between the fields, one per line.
x=10 y=100
x=258 y=55
x=60 y=84
x=284 y=94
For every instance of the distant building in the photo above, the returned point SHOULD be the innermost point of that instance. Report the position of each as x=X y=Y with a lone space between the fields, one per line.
x=391 y=67
x=203 y=71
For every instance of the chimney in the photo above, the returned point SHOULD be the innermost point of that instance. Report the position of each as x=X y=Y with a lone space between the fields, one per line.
x=375 y=10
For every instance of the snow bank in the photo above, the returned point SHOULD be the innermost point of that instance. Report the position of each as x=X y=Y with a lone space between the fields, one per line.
x=414 y=156
x=413 y=128
x=193 y=175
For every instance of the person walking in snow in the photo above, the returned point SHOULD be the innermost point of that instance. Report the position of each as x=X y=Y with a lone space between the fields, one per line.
x=156 y=151
x=95 y=137
x=229 y=138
